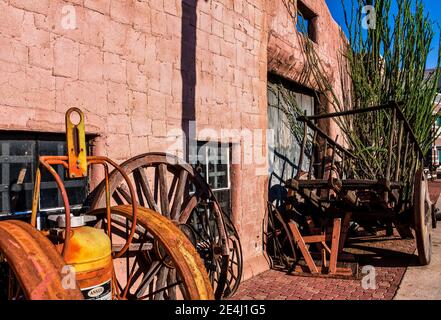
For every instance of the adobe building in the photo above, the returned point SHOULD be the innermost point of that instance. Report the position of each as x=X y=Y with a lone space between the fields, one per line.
x=141 y=70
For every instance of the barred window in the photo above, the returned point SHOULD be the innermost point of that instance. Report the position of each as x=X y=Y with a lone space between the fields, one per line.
x=19 y=153
x=213 y=161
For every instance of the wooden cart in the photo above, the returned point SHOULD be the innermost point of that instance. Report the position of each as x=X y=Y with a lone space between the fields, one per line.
x=333 y=189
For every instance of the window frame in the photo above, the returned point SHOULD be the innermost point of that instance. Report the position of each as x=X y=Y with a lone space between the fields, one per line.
x=310 y=17
x=220 y=146
x=35 y=139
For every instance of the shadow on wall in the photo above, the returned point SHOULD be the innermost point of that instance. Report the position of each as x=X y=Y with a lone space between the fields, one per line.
x=277 y=192
x=188 y=71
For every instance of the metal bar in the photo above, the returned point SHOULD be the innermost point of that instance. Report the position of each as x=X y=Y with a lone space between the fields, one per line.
x=333 y=158
x=325 y=152
x=391 y=144
x=326 y=136
x=302 y=150
x=408 y=128
x=406 y=151
x=350 y=112
x=400 y=145
x=311 y=161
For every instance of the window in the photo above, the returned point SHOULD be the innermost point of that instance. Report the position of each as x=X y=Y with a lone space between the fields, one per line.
x=286 y=96
x=438 y=122
x=19 y=154
x=213 y=163
x=306 y=21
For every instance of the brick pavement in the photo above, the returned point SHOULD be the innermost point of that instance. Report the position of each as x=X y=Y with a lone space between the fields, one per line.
x=389 y=256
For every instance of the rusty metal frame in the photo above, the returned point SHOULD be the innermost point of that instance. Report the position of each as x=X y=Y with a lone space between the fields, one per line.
x=47 y=162
x=76 y=164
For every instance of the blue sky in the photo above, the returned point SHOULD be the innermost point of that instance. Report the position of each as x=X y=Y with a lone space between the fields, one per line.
x=433 y=7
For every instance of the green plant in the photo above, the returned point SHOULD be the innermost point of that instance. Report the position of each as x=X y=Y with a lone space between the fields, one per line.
x=385 y=62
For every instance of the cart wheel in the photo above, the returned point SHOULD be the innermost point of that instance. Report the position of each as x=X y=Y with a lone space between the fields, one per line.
x=161 y=262
x=423 y=218
x=234 y=271
x=280 y=244
x=168 y=185
x=30 y=266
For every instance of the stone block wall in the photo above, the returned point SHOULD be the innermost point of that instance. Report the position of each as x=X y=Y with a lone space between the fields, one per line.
x=140 y=69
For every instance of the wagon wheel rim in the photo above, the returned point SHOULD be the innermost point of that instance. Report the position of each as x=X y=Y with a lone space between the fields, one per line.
x=279 y=239
x=234 y=271
x=422 y=218
x=143 y=273
x=160 y=179
x=34 y=269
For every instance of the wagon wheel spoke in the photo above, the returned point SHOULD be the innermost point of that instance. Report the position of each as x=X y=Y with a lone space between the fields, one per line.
x=148 y=278
x=141 y=178
x=158 y=291
x=163 y=190
x=161 y=282
x=173 y=188
x=179 y=195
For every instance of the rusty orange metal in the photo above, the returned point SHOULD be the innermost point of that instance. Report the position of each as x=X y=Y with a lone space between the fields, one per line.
x=181 y=251
x=94 y=262
x=76 y=144
x=47 y=162
x=35 y=263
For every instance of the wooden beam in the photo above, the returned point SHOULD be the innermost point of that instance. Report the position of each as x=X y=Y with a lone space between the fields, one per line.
x=302 y=246
x=334 y=246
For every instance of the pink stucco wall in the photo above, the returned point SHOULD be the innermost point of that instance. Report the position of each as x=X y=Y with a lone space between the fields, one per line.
x=122 y=66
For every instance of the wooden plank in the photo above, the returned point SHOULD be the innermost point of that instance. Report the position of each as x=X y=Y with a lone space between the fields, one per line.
x=124 y=191
x=334 y=246
x=314 y=239
x=142 y=179
x=344 y=231
x=302 y=246
x=191 y=204
x=179 y=195
x=163 y=190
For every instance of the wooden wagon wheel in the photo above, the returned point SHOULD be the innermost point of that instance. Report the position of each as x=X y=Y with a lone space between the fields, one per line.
x=422 y=217
x=32 y=268
x=280 y=244
x=168 y=185
x=161 y=263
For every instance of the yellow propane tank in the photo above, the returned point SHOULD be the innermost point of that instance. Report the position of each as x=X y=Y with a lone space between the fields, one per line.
x=90 y=253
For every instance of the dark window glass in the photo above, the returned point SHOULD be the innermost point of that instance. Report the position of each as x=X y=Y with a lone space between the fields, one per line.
x=19 y=154
x=306 y=21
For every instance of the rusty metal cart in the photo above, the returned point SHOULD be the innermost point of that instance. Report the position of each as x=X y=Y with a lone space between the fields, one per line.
x=336 y=190
x=120 y=248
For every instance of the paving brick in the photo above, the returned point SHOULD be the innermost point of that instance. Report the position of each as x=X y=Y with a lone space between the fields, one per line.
x=278 y=285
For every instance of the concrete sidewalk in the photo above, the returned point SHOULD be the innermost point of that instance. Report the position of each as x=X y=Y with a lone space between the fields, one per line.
x=423 y=283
